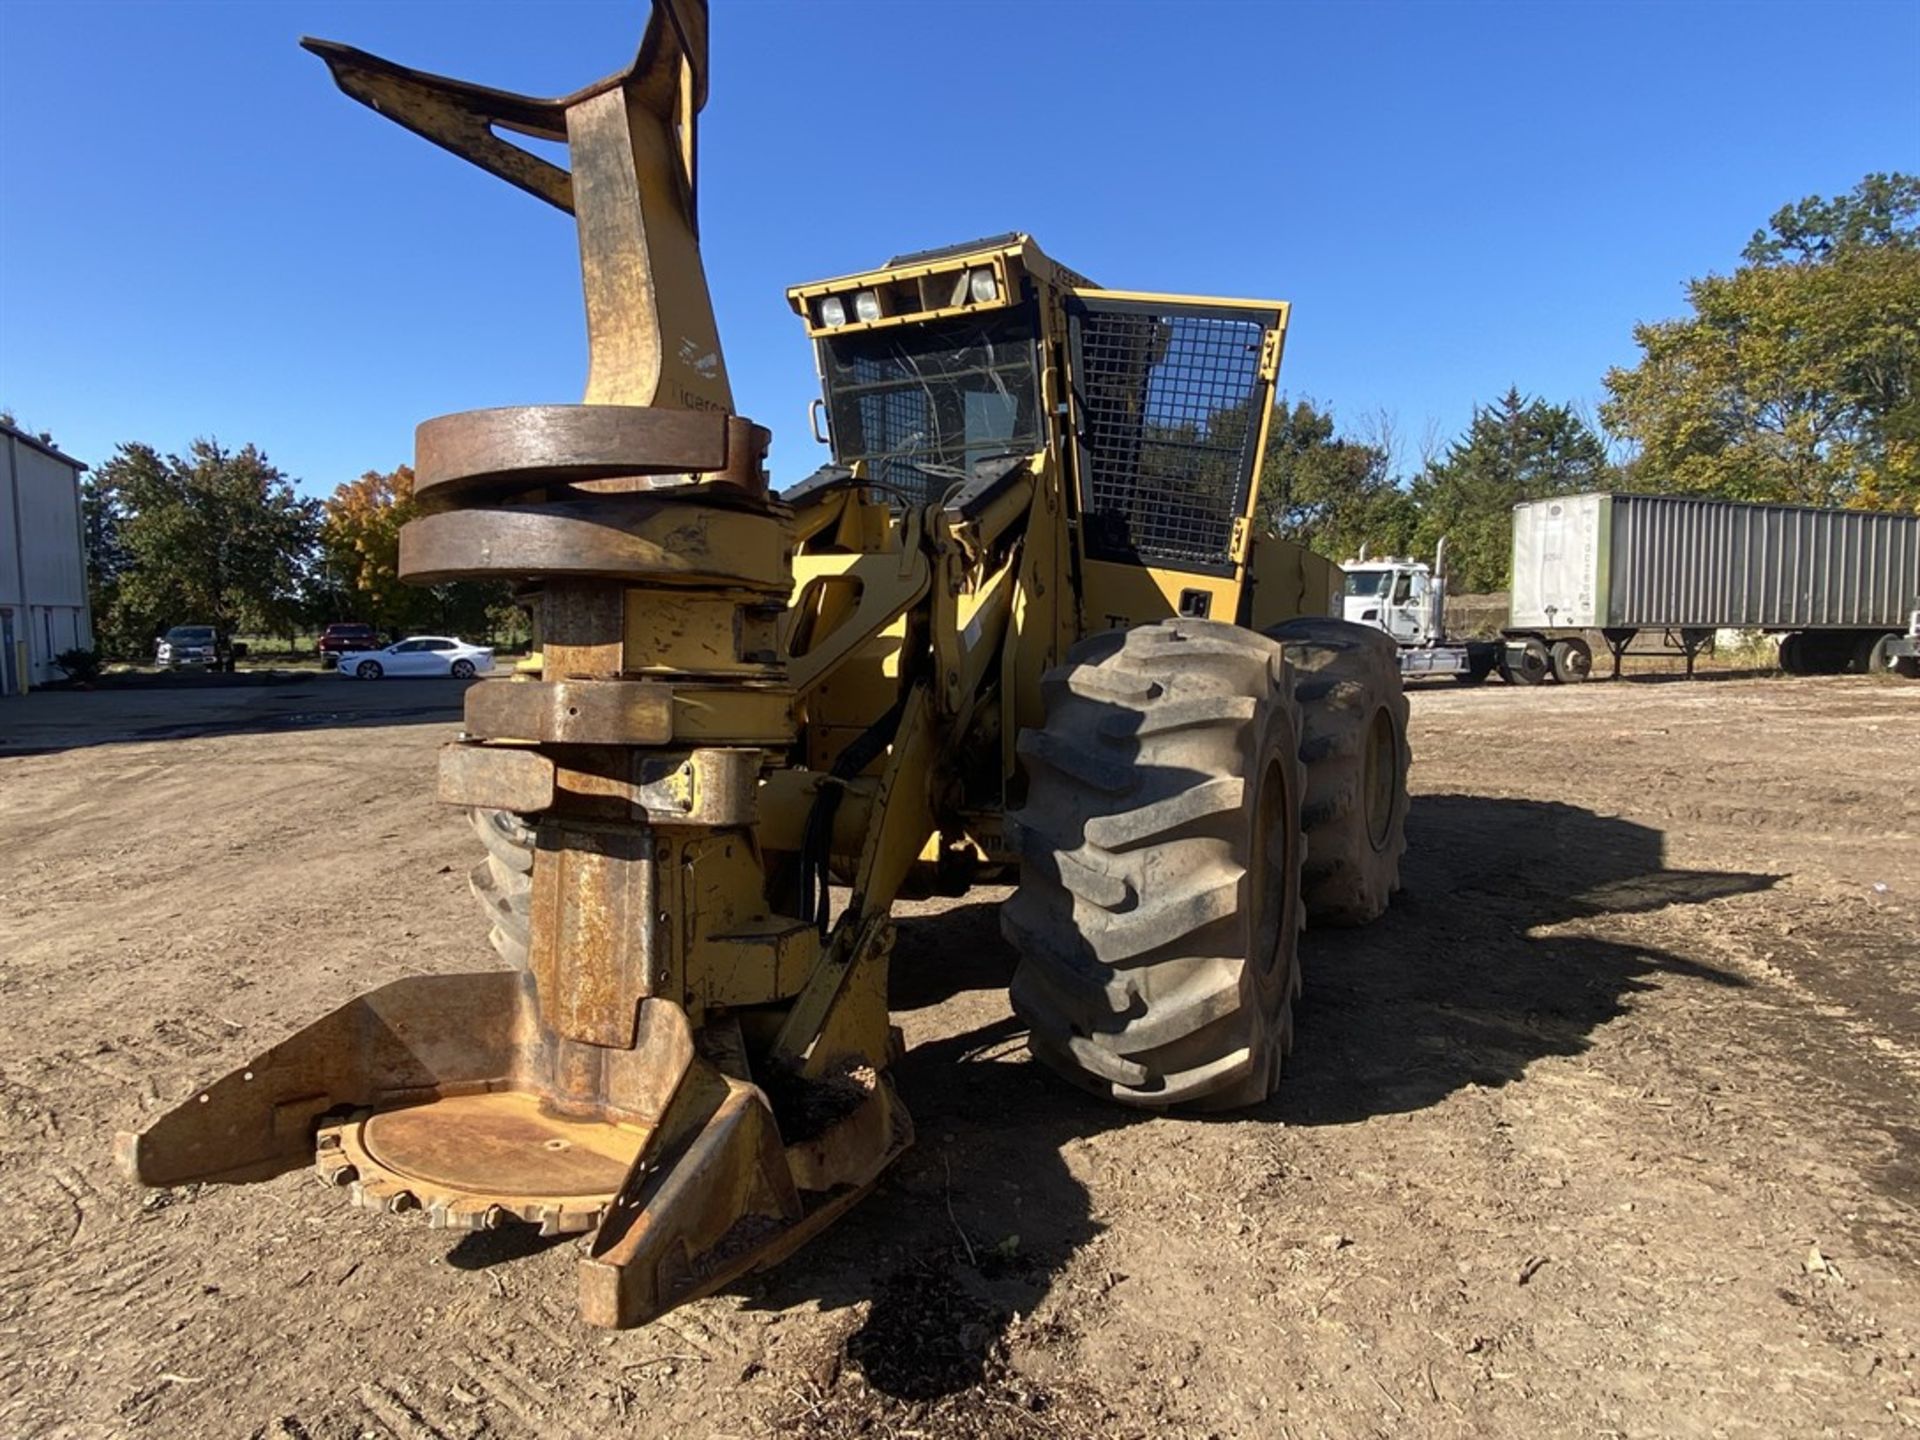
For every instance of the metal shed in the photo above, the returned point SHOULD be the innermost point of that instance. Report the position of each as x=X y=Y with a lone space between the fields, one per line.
x=43 y=565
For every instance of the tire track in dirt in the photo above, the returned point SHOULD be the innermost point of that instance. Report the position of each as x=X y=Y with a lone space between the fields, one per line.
x=1537 y=1067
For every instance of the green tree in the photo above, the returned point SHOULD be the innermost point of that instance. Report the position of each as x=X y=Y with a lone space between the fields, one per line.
x=101 y=516
x=1796 y=377
x=1880 y=213
x=1515 y=449
x=1328 y=492
x=217 y=536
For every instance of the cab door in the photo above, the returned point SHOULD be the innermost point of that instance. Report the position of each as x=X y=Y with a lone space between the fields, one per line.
x=1406 y=609
x=1169 y=403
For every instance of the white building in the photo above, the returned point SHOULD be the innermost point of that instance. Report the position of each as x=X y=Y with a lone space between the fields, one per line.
x=43 y=561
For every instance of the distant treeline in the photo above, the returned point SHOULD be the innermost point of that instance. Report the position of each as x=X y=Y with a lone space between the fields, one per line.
x=220 y=537
x=1793 y=378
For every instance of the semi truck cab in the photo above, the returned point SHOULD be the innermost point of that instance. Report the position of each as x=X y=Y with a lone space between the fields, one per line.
x=1395 y=595
x=1407 y=598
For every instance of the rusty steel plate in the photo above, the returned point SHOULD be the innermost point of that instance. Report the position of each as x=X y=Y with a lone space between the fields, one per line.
x=626 y=537
x=519 y=447
x=470 y=1161
x=502 y=1143
x=566 y=442
x=492 y=777
x=572 y=712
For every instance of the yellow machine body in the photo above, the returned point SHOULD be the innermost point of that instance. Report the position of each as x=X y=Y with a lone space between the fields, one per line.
x=756 y=719
x=1014 y=545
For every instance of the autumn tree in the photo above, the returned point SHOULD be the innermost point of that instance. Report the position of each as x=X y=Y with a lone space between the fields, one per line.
x=360 y=540
x=216 y=536
x=1514 y=449
x=1796 y=377
x=360 y=571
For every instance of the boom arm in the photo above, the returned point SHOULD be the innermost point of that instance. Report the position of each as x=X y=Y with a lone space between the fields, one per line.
x=632 y=190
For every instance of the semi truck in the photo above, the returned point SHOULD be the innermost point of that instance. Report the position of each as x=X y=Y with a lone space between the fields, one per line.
x=1841 y=588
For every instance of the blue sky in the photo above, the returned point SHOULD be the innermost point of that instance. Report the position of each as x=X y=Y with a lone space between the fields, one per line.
x=200 y=236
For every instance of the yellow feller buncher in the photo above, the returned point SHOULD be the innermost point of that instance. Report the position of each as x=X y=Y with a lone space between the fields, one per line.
x=1023 y=618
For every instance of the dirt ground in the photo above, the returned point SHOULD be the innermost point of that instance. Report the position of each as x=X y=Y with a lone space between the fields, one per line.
x=1611 y=1128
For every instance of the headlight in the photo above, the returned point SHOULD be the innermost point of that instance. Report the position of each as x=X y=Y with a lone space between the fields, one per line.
x=866 y=304
x=982 y=286
x=833 y=311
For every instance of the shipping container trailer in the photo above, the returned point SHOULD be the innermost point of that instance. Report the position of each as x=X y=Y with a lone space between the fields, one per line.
x=1840 y=587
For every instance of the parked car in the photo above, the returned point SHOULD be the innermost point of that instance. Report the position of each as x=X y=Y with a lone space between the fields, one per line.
x=419 y=655
x=196 y=647
x=345 y=635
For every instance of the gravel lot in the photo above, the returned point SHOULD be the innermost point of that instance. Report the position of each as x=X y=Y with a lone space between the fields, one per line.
x=1611 y=1128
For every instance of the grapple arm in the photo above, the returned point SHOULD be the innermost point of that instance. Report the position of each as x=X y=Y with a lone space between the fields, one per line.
x=684 y=1066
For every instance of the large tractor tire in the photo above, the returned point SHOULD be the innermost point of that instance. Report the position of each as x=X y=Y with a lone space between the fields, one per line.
x=503 y=882
x=1158 y=914
x=1354 y=752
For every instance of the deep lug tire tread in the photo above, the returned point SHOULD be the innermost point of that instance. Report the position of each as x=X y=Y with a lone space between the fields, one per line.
x=1347 y=673
x=1135 y=911
x=502 y=883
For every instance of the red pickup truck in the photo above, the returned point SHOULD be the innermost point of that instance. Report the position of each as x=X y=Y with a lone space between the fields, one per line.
x=342 y=636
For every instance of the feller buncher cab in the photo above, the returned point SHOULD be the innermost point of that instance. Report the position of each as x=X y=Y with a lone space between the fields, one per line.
x=1082 y=460
x=1021 y=619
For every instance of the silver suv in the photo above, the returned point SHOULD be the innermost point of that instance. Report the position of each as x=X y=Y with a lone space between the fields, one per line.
x=197 y=647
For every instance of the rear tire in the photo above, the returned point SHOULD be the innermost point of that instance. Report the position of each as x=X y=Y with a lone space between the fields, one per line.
x=1535 y=664
x=1870 y=655
x=1354 y=756
x=1572 y=661
x=503 y=882
x=1793 y=660
x=1828 y=653
x=462 y=669
x=1158 y=913
x=1880 y=662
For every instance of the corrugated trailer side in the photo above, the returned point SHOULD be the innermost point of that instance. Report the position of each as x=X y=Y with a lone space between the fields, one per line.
x=1678 y=562
x=1838 y=586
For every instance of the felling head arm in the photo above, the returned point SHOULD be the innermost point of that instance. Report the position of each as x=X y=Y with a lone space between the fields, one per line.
x=632 y=190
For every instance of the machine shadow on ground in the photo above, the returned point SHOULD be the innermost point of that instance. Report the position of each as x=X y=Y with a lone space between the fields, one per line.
x=184 y=707
x=1454 y=987
x=1603 y=676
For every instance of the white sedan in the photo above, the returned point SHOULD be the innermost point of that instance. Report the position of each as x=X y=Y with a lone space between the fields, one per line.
x=419 y=655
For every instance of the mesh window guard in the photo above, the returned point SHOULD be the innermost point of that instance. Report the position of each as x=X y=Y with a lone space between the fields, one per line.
x=920 y=404
x=1169 y=418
